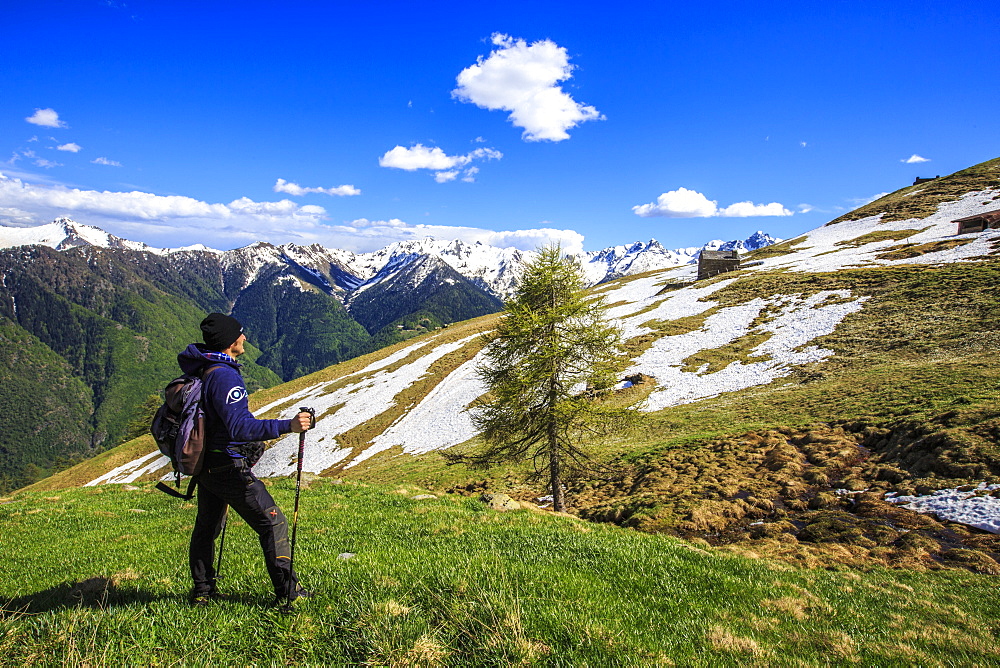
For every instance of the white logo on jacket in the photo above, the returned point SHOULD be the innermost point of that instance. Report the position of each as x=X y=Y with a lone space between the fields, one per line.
x=236 y=394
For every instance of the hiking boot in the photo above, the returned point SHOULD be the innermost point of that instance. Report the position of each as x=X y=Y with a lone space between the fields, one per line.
x=201 y=600
x=285 y=602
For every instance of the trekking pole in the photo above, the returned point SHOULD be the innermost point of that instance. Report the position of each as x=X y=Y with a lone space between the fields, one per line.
x=298 y=489
x=222 y=544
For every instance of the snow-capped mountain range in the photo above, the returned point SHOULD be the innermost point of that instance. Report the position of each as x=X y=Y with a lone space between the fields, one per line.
x=338 y=271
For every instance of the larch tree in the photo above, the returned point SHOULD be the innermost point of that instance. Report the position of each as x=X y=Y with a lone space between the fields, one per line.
x=546 y=366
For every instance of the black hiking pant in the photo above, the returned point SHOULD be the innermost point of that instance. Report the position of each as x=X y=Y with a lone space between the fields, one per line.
x=233 y=484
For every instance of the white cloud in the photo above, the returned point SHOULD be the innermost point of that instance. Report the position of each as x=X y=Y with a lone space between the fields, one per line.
x=47 y=118
x=469 y=176
x=71 y=147
x=571 y=241
x=420 y=157
x=487 y=153
x=680 y=203
x=294 y=189
x=914 y=159
x=365 y=223
x=446 y=166
x=749 y=209
x=47 y=164
x=174 y=220
x=104 y=161
x=523 y=79
x=170 y=217
x=861 y=201
x=806 y=208
x=684 y=203
x=14 y=217
x=444 y=177
x=803 y=144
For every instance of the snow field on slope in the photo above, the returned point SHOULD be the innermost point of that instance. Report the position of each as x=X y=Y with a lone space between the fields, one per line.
x=819 y=251
x=356 y=403
x=133 y=470
x=797 y=322
x=440 y=420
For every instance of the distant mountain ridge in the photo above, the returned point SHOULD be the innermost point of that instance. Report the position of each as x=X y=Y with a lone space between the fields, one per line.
x=338 y=272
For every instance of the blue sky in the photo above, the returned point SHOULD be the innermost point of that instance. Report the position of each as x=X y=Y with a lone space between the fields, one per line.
x=592 y=124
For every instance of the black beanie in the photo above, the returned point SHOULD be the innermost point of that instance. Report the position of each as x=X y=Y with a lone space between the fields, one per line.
x=220 y=331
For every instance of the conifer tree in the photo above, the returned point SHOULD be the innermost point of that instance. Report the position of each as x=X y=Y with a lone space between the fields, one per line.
x=546 y=364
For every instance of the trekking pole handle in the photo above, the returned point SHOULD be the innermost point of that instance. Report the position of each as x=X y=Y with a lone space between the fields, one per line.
x=312 y=415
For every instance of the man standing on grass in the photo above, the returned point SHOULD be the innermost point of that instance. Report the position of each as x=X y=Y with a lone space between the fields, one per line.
x=232 y=446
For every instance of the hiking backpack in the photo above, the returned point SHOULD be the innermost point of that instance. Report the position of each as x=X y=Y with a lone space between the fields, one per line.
x=178 y=428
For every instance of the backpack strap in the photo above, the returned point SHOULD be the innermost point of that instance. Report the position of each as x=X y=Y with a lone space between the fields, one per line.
x=210 y=368
x=166 y=489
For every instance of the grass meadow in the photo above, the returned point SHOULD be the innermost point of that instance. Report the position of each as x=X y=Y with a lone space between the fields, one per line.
x=98 y=576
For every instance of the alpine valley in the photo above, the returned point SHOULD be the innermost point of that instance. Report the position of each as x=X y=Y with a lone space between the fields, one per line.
x=91 y=323
x=814 y=480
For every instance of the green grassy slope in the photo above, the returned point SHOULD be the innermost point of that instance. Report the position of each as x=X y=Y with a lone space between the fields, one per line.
x=921 y=200
x=907 y=403
x=448 y=582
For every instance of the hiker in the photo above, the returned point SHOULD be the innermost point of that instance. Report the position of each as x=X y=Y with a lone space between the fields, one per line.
x=232 y=446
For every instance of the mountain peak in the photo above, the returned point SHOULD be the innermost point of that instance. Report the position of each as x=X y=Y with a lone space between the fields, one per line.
x=64 y=233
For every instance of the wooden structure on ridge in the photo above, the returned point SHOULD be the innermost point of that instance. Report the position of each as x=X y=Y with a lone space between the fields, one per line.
x=979 y=222
x=713 y=263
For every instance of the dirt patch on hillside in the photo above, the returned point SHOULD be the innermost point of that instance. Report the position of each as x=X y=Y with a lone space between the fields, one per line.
x=811 y=496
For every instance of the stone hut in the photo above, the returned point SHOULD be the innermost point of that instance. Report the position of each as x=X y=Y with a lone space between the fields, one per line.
x=979 y=222
x=713 y=263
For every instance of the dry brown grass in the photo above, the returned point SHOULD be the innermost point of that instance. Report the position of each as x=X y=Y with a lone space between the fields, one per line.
x=789 y=605
x=908 y=251
x=879 y=235
x=724 y=640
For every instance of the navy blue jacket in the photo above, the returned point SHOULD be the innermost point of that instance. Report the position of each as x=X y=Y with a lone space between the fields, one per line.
x=228 y=421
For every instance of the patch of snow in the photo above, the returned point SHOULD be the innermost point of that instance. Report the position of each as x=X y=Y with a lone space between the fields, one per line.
x=679 y=304
x=65 y=233
x=969 y=508
x=440 y=420
x=797 y=322
x=288 y=278
x=133 y=470
x=818 y=251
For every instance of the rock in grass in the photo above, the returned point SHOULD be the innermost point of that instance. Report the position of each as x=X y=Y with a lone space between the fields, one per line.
x=500 y=502
x=422 y=497
x=344 y=556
